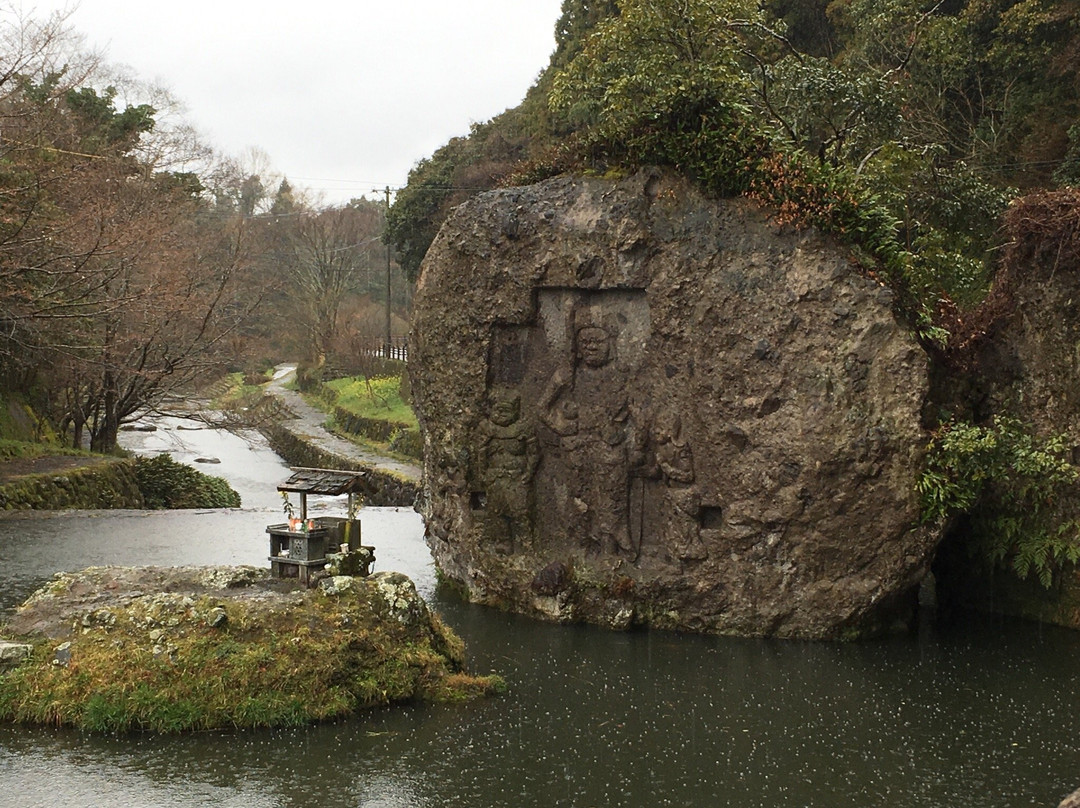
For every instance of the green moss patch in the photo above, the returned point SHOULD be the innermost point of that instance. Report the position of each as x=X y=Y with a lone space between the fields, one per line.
x=25 y=450
x=209 y=648
x=379 y=398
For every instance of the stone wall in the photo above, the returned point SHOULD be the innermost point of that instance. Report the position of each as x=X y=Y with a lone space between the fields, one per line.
x=110 y=484
x=642 y=406
x=401 y=438
x=381 y=488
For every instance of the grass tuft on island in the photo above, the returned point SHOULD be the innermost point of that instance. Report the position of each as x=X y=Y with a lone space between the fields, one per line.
x=178 y=649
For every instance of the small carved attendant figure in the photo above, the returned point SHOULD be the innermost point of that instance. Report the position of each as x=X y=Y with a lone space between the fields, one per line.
x=675 y=467
x=509 y=458
x=587 y=408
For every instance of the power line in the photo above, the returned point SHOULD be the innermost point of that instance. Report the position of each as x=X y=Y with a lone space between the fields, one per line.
x=357 y=244
x=365 y=183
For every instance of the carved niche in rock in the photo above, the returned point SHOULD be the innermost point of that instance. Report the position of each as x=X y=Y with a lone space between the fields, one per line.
x=702 y=423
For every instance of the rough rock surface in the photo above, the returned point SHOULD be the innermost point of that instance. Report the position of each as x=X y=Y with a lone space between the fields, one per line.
x=1029 y=365
x=117 y=648
x=13 y=654
x=640 y=406
x=77 y=600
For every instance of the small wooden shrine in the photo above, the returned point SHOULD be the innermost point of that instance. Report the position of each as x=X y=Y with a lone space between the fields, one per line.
x=301 y=546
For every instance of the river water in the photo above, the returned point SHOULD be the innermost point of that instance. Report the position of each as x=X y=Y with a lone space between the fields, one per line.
x=979 y=713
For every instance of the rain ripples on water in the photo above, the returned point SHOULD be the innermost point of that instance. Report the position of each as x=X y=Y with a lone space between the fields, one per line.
x=981 y=714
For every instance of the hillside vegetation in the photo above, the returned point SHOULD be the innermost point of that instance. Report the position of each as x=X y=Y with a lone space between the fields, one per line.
x=902 y=127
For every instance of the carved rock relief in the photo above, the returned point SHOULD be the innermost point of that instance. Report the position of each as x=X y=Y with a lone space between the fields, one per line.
x=571 y=453
x=723 y=431
x=506 y=449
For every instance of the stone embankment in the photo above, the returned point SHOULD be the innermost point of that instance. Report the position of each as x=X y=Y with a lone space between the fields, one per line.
x=401 y=438
x=300 y=438
x=57 y=483
x=84 y=482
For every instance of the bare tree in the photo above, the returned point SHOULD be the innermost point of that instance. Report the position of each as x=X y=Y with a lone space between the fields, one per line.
x=328 y=255
x=118 y=284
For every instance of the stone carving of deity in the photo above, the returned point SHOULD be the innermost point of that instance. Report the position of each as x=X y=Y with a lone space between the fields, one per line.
x=674 y=466
x=586 y=406
x=508 y=456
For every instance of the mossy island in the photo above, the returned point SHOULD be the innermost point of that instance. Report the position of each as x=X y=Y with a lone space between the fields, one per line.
x=115 y=649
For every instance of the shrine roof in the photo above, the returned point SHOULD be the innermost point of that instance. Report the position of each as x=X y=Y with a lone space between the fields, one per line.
x=328 y=482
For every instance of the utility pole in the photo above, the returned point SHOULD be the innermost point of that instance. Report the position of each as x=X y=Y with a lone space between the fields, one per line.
x=386 y=243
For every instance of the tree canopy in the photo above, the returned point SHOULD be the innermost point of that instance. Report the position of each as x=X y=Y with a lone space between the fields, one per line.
x=133 y=259
x=903 y=126
x=117 y=281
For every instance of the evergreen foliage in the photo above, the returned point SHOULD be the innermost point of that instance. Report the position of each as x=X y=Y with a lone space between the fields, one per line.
x=912 y=122
x=1006 y=485
x=716 y=89
x=462 y=168
x=166 y=483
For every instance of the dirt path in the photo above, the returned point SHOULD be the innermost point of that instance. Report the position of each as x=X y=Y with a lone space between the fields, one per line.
x=309 y=424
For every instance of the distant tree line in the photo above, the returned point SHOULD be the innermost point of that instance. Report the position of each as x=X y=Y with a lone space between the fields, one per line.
x=134 y=262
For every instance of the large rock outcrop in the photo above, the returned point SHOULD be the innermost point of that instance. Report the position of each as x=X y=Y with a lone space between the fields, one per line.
x=641 y=406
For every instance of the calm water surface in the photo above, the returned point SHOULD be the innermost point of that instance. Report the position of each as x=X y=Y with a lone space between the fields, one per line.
x=974 y=715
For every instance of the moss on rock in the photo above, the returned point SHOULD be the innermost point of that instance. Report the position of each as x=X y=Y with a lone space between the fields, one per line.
x=176 y=649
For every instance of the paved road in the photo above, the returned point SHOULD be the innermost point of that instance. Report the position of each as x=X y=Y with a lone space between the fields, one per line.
x=309 y=424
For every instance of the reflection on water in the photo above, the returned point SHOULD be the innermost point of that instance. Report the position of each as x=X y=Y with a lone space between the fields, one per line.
x=981 y=715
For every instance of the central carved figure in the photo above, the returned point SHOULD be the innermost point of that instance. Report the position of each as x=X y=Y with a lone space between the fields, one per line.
x=586 y=406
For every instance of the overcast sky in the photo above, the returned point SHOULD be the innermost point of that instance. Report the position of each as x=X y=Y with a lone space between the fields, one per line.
x=343 y=95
